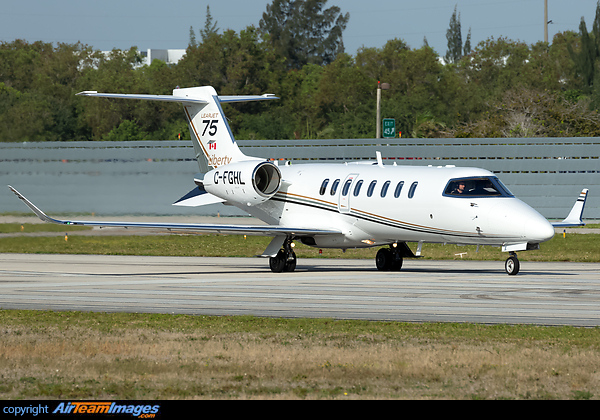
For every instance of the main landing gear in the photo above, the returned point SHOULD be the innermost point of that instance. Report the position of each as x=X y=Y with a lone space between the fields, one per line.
x=389 y=259
x=512 y=264
x=285 y=260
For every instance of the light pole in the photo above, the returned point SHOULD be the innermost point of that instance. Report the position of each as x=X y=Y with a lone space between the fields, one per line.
x=546 y=21
x=384 y=86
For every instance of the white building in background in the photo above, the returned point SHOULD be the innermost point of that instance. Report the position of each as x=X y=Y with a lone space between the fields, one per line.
x=168 y=56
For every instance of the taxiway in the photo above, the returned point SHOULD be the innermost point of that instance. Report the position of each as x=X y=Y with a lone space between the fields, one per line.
x=424 y=291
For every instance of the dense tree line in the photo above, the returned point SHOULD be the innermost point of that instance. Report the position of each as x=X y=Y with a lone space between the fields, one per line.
x=499 y=88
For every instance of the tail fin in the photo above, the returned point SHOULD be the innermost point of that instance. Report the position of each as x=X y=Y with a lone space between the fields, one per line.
x=211 y=135
x=213 y=141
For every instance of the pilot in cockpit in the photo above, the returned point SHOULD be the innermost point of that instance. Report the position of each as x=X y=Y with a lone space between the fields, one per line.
x=459 y=189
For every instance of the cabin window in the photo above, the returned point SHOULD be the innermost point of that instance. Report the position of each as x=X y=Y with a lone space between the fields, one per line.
x=346 y=187
x=357 y=188
x=334 y=186
x=398 y=189
x=371 y=188
x=411 y=191
x=476 y=187
x=384 y=189
x=324 y=186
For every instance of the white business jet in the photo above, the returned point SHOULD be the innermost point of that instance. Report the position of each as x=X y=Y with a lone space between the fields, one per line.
x=347 y=205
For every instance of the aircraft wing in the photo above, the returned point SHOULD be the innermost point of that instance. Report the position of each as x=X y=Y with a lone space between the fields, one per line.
x=574 y=217
x=268 y=230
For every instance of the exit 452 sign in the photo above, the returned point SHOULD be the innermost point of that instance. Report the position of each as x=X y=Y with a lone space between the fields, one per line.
x=389 y=128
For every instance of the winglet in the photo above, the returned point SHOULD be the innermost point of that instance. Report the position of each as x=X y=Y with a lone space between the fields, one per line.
x=576 y=213
x=34 y=209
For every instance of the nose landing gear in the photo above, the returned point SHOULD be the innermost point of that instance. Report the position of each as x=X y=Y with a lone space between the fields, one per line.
x=512 y=264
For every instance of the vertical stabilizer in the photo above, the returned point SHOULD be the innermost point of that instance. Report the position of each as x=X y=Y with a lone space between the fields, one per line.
x=213 y=141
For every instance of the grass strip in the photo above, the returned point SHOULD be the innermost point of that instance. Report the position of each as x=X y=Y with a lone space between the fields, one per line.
x=573 y=247
x=39 y=227
x=81 y=355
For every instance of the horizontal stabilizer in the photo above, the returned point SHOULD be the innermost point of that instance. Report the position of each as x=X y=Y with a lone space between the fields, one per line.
x=198 y=197
x=177 y=98
x=161 y=98
x=576 y=214
x=246 y=98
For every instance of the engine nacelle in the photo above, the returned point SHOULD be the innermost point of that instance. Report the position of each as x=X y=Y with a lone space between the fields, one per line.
x=248 y=183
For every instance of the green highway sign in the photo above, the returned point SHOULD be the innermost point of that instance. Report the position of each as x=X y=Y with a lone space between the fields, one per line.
x=389 y=128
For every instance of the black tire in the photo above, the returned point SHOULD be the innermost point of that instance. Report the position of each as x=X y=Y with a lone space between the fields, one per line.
x=277 y=263
x=290 y=263
x=397 y=262
x=512 y=265
x=383 y=259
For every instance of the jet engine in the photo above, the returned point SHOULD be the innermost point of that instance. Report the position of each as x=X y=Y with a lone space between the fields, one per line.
x=248 y=183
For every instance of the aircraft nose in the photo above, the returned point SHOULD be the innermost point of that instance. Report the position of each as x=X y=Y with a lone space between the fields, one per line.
x=538 y=229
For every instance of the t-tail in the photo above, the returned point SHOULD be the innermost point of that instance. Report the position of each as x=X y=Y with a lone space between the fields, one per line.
x=213 y=141
x=226 y=174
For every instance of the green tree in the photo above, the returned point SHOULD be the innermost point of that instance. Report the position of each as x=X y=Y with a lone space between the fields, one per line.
x=210 y=27
x=299 y=92
x=302 y=32
x=346 y=97
x=532 y=113
x=193 y=41
x=114 y=73
x=454 y=38
x=40 y=82
x=585 y=58
x=467 y=46
x=24 y=116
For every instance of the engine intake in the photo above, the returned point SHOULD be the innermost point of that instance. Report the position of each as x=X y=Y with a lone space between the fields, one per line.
x=248 y=183
x=266 y=179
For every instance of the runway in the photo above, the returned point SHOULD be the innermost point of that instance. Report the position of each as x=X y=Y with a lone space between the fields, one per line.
x=423 y=291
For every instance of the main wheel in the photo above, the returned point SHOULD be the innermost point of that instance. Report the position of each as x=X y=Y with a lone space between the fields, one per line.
x=396 y=262
x=278 y=262
x=384 y=259
x=512 y=265
x=290 y=262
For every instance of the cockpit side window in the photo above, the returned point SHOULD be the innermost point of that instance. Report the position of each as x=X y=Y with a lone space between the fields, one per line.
x=476 y=187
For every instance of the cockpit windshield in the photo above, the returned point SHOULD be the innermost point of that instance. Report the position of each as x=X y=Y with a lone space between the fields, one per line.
x=477 y=187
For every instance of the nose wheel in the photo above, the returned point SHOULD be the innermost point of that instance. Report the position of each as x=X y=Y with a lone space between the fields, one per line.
x=512 y=264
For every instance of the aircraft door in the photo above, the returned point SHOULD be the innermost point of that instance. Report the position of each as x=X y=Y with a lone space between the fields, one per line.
x=345 y=192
